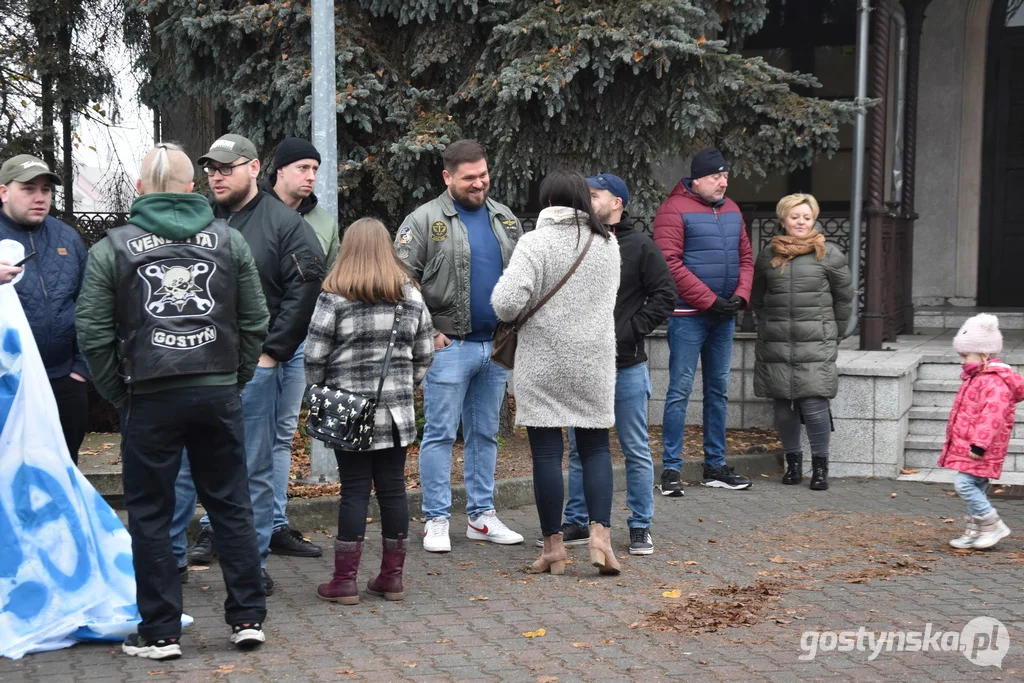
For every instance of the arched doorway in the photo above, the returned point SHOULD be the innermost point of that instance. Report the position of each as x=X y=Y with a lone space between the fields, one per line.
x=1002 y=198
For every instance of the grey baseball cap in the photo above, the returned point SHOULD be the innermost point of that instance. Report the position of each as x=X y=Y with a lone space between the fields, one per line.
x=228 y=149
x=25 y=167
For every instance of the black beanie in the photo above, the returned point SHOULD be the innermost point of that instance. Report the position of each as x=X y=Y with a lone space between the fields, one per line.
x=707 y=162
x=291 y=150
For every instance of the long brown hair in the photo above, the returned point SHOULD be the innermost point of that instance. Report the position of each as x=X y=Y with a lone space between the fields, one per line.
x=368 y=269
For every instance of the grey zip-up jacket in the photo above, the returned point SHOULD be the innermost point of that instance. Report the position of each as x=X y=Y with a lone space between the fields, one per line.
x=434 y=243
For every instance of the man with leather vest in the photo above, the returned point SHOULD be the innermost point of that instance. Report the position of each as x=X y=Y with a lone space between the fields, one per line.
x=291 y=268
x=705 y=243
x=457 y=247
x=171 y=320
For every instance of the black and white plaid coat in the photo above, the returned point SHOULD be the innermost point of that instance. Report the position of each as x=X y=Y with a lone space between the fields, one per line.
x=345 y=349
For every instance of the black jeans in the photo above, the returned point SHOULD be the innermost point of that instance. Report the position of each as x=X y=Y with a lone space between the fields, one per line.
x=73 y=407
x=154 y=428
x=816 y=418
x=548 y=490
x=385 y=471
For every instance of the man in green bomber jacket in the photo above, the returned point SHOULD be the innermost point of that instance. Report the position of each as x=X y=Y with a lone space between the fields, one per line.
x=171 y=321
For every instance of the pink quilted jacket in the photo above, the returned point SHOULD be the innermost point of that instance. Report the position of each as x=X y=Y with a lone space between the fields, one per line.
x=983 y=416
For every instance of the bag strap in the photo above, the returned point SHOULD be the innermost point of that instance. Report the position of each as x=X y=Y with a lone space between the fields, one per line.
x=565 y=278
x=387 y=354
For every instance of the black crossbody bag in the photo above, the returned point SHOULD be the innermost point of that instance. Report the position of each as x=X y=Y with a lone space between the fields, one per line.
x=342 y=419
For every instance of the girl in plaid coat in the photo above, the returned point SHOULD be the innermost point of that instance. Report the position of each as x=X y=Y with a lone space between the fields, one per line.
x=348 y=336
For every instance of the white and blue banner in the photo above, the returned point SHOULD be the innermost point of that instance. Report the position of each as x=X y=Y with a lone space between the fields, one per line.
x=65 y=558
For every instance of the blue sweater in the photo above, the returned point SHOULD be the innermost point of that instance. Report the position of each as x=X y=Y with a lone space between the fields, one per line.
x=49 y=288
x=485 y=267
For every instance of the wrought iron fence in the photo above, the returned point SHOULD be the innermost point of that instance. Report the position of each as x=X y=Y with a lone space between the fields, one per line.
x=92 y=226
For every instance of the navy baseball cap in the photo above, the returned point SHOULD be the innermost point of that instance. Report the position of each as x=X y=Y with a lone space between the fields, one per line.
x=612 y=183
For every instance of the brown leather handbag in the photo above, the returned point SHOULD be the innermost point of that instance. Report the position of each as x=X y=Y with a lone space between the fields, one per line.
x=506 y=334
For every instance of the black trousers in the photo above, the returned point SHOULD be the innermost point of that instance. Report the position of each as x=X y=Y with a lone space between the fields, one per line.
x=154 y=428
x=547 y=449
x=385 y=471
x=73 y=407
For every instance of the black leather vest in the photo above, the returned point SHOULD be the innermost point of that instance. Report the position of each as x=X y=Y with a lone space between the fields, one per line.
x=177 y=303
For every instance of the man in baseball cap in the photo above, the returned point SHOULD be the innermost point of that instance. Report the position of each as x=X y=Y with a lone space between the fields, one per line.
x=290 y=262
x=645 y=298
x=49 y=288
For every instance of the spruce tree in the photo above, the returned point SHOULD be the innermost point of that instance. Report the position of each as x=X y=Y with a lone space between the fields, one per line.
x=618 y=86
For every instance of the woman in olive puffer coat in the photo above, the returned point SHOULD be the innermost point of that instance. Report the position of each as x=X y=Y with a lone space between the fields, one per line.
x=803 y=298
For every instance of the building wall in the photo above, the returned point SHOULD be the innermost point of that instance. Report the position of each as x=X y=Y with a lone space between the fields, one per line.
x=938 y=151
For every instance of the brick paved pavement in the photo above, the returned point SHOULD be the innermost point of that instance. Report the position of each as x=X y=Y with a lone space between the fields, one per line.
x=856 y=530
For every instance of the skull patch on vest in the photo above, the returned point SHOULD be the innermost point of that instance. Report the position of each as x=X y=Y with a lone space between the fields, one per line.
x=178 y=287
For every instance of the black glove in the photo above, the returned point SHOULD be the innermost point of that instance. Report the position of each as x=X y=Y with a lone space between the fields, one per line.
x=738 y=302
x=977 y=450
x=723 y=308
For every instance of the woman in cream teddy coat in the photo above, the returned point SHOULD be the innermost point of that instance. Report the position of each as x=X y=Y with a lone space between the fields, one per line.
x=565 y=358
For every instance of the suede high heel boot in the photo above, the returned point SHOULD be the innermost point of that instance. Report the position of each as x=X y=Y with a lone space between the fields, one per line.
x=552 y=558
x=388 y=583
x=342 y=588
x=601 y=555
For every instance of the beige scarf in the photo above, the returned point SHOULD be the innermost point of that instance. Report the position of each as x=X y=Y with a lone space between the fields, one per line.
x=787 y=248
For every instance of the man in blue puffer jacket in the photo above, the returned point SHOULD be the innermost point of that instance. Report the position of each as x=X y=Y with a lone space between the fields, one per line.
x=705 y=243
x=49 y=284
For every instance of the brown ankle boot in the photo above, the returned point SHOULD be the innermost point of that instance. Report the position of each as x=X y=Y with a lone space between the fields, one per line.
x=389 y=582
x=552 y=558
x=601 y=555
x=342 y=588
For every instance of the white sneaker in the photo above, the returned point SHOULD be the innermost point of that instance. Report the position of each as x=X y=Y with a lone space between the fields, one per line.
x=487 y=527
x=435 y=536
x=991 y=530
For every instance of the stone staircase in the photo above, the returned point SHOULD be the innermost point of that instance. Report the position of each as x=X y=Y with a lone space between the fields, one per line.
x=938 y=380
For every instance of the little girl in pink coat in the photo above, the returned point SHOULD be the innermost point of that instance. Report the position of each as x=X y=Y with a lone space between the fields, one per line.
x=979 y=428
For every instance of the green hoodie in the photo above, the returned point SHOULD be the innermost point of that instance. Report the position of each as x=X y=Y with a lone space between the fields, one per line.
x=172 y=216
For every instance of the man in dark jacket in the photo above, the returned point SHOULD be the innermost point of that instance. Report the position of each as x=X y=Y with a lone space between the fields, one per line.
x=49 y=286
x=291 y=180
x=645 y=298
x=708 y=252
x=171 y=320
x=291 y=268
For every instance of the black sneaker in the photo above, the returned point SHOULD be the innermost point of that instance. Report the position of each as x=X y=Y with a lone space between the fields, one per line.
x=137 y=646
x=288 y=541
x=268 y=583
x=183 y=574
x=202 y=551
x=670 y=484
x=248 y=636
x=572 y=536
x=724 y=478
x=640 y=542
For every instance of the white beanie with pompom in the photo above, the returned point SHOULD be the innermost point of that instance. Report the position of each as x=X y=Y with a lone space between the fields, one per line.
x=979 y=334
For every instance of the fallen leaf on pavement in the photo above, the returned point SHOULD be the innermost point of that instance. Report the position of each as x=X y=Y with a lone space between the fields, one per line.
x=892 y=495
x=690 y=563
x=908 y=470
x=949 y=520
x=198 y=568
x=478 y=597
x=672 y=594
x=443 y=640
x=547 y=679
x=536 y=634
x=859 y=579
x=779 y=559
x=582 y=646
x=345 y=672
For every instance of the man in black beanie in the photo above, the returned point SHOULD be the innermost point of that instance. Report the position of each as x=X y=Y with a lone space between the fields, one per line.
x=704 y=240
x=291 y=180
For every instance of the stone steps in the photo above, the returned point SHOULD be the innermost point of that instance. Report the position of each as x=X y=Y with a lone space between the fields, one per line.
x=934 y=391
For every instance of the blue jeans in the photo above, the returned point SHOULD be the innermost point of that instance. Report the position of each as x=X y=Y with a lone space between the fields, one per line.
x=632 y=391
x=462 y=384
x=709 y=339
x=971 y=490
x=547 y=448
x=291 y=385
x=259 y=401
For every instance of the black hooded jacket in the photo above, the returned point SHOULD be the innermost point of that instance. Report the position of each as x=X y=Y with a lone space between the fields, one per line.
x=647 y=293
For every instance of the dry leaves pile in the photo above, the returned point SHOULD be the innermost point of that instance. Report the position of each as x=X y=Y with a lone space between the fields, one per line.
x=716 y=609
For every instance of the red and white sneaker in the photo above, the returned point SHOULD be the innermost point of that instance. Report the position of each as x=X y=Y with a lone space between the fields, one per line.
x=435 y=536
x=487 y=527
